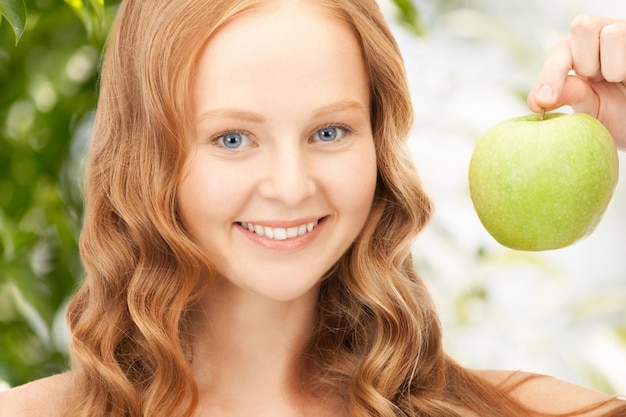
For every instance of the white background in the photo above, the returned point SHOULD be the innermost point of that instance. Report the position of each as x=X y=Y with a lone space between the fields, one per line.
x=560 y=312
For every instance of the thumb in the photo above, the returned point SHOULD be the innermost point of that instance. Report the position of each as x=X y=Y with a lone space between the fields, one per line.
x=557 y=86
x=547 y=94
x=575 y=91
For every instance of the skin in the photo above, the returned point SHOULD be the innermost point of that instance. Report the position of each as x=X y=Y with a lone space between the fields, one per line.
x=265 y=318
x=281 y=175
x=587 y=71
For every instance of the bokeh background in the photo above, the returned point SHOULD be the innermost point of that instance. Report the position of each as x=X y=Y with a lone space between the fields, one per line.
x=470 y=63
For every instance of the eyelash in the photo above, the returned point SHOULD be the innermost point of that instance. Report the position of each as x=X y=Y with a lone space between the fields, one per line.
x=216 y=138
x=346 y=131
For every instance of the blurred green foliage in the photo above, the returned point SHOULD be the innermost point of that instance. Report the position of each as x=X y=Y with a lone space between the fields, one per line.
x=15 y=13
x=49 y=55
x=47 y=95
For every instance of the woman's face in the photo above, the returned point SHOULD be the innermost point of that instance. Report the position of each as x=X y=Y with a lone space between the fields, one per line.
x=281 y=176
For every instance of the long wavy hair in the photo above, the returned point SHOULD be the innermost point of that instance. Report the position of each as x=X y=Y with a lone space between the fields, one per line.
x=378 y=343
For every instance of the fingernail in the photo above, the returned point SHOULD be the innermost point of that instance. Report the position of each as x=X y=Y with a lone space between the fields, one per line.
x=545 y=94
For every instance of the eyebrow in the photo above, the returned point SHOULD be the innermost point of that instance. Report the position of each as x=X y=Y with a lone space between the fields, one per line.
x=232 y=114
x=342 y=105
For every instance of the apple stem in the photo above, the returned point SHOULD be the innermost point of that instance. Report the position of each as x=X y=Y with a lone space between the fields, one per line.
x=543 y=113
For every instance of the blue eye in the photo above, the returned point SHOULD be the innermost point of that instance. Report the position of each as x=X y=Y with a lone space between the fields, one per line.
x=327 y=134
x=231 y=139
x=331 y=133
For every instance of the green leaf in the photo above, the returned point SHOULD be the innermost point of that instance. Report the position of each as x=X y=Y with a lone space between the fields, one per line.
x=14 y=11
x=410 y=16
x=92 y=13
x=98 y=8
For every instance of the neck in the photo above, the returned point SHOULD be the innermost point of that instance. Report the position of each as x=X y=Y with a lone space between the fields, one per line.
x=251 y=345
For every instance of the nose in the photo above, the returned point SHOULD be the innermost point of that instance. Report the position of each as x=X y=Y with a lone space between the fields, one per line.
x=288 y=176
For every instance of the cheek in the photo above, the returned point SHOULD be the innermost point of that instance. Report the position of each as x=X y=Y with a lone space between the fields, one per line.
x=207 y=196
x=365 y=186
x=352 y=182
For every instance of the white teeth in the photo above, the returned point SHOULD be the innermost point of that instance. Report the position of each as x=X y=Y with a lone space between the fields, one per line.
x=280 y=233
x=292 y=232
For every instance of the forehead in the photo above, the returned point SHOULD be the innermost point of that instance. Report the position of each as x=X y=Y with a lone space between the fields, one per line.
x=273 y=19
x=296 y=46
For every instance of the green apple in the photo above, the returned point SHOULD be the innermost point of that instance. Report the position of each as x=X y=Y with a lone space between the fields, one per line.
x=541 y=184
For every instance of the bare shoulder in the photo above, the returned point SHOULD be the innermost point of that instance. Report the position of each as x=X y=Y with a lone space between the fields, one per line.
x=44 y=397
x=551 y=395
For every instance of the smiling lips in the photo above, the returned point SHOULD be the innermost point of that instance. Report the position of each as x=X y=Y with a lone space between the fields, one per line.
x=280 y=233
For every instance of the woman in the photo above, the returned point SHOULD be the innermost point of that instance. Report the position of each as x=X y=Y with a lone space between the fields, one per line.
x=250 y=211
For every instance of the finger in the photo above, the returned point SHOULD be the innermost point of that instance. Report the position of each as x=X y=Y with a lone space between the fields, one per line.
x=576 y=92
x=551 y=78
x=585 y=45
x=613 y=51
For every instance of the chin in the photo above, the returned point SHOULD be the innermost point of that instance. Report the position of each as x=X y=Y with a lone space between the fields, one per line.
x=287 y=292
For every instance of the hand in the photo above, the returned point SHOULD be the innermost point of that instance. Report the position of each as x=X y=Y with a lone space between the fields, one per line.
x=587 y=71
